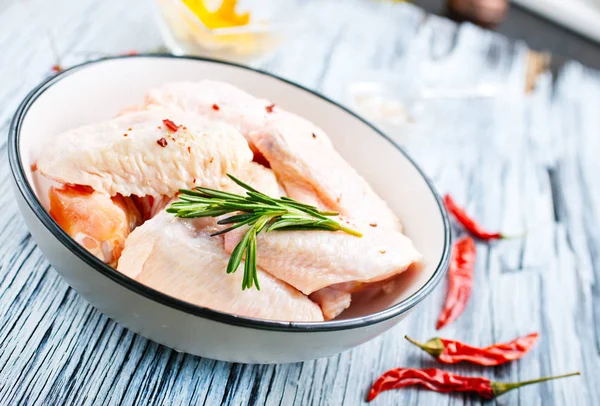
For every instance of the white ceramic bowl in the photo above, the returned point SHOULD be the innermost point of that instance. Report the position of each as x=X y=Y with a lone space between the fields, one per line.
x=97 y=90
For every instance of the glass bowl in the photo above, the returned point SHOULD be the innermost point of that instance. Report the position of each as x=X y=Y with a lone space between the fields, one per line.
x=185 y=34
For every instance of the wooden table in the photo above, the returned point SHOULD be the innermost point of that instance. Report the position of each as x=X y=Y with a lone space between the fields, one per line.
x=517 y=161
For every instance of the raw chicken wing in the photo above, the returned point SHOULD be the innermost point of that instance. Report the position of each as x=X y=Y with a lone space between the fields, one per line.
x=300 y=153
x=179 y=258
x=136 y=154
x=312 y=260
x=95 y=220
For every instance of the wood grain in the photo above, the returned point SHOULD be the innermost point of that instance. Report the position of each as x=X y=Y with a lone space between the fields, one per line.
x=517 y=161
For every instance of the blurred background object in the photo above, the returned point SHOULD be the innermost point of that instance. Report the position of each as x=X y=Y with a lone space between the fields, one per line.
x=582 y=16
x=247 y=31
x=482 y=12
x=225 y=29
x=567 y=29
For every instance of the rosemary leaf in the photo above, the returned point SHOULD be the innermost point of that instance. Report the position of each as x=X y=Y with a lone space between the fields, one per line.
x=250 y=264
x=237 y=254
x=250 y=220
x=235 y=219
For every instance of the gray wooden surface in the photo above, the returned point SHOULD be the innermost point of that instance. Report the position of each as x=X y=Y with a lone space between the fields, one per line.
x=517 y=161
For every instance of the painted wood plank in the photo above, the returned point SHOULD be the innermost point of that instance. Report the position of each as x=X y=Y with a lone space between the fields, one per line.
x=516 y=161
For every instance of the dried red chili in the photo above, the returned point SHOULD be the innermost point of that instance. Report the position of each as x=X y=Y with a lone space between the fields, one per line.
x=451 y=352
x=270 y=108
x=460 y=281
x=446 y=382
x=171 y=125
x=468 y=223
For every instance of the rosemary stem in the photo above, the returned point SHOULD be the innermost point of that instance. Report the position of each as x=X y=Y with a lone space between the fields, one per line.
x=350 y=231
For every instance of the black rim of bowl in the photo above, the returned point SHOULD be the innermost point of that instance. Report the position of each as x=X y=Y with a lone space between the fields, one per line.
x=30 y=197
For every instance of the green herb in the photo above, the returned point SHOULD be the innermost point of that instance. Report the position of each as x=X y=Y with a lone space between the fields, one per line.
x=259 y=212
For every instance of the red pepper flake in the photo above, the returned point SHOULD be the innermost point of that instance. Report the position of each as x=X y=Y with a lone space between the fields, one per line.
x=170 y=125
x=159 y=127
x=194 y=180
x=162 y=142
x=447 y=382
x=184 y=128
x=468 y=223
x=269 y=108
x=215 y=107
x=460 y=281
x=190 y=150
x=314 y=135
x=131 y=52
x=34 y=167
x=451 y=351
x=56 y=68
x=125 y=135
x=211 y=160
x=373 y=224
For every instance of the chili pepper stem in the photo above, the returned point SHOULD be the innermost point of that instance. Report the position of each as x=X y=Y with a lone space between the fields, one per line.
x=514 y=236
x=434 y=346
x=500 y=388
x=523 y=234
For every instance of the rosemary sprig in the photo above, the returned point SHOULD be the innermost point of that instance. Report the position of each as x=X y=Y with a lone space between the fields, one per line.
x=259 y=212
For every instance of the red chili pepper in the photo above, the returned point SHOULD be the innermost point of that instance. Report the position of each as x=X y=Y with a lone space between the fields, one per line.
x=471 y=225
x=460 y=279
x=270 y=108
x=446 y=382
x=451 y=352
x=171 y=125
